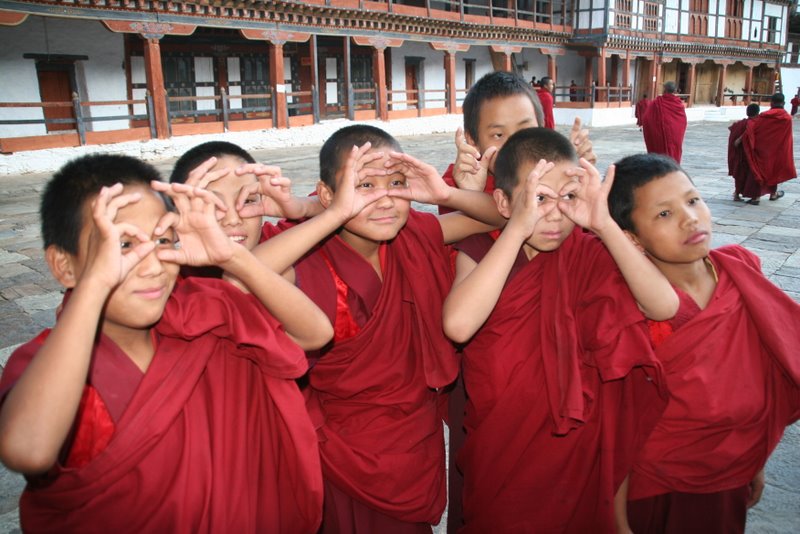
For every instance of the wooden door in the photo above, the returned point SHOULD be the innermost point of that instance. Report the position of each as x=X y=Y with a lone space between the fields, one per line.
x=55 y=86
x=412 y=85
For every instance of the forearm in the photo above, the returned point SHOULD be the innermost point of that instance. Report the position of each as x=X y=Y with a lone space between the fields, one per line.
x=40 y=409
x=476 y=204
x=472 y=299
x=303 y=321
x=283 y=250
x=621 y=508
x=651 y=289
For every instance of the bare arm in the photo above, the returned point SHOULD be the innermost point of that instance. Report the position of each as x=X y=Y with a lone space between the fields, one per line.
x=585 y=201
x=621 y=509
x=40 y=409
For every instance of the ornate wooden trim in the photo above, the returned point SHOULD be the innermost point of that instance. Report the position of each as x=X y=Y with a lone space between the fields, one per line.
x=12 y=18
x=275 y=36
x=149 y=30
x=449 y=46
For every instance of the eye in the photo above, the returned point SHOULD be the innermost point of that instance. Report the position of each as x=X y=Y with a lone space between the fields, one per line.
x=252 y=199
x=126 y=245
x=162 y=242
x=568 y=197
x=399 y=183
x=663 y=214
x=365 y=185
x=496 y=135
x=540 y=198
x=695 y=200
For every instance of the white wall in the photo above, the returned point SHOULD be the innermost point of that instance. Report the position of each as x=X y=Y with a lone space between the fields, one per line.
x=101 y=77
x=431 y=75
x=536 y=62
x=483 y=66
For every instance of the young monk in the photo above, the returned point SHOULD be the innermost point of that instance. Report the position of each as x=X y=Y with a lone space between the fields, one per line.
x=151 y=406
x=729 y=357
x=381 y=277
x=744 y=180
x=561 y=380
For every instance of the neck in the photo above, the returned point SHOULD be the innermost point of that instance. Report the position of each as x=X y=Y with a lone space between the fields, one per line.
x=695 y=278
x=366 y=248
x=136 y=343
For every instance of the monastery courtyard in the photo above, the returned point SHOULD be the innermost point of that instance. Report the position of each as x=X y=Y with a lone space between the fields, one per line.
x=28 y=296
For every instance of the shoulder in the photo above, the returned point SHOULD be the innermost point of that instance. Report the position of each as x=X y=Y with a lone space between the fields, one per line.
x=269 y=229
x=424 y=224
x=475 y=246
x=19 y=360
x=735 y=253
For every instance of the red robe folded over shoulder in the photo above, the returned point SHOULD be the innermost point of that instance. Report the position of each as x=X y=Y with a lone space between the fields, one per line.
x=546 y=98
x=214 y=437
x=563 y=388
x=734 y=381
x=664 y=126
x=769 y=148
x=372 y=392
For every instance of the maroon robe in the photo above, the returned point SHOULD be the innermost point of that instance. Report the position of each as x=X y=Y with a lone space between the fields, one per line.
x=745 y=182
x=664 y=125
x=640 y=110
x=373 y=396
x=563 y=388
x=725 y=416
x=214 y=436
x=768 y=147
x=546 y=98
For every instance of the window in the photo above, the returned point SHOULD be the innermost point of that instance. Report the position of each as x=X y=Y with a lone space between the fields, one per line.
x=650 y=17
x=255 y=79
x=622 y=13
x=179 y=80
x=469 y=73
x=772 y=29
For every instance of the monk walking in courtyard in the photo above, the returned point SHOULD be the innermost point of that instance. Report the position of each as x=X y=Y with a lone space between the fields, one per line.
x=664 y=124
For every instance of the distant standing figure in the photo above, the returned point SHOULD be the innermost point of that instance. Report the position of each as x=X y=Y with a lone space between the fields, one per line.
x=795 y=103
x=534 y=83
x=573 y=91
x=640 y=110
x=545 y=93
x=745 y=183
x=664 y=124
x=769 y=148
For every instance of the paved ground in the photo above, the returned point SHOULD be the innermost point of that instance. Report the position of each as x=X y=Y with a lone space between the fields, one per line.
x=772 y=230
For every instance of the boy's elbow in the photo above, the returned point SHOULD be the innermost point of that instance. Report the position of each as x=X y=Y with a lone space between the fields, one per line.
x=457 y=331
x=665 y=311
x=26 y=459
x=317 y=338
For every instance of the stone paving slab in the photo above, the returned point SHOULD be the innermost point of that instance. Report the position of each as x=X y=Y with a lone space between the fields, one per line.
x=28 y=295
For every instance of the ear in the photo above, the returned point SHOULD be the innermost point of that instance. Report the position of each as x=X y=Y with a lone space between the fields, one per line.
x=62 y=265
x=325 y=194
x=502 y=202
x=635 y=240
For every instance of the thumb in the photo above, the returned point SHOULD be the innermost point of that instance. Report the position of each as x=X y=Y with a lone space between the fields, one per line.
x=488 y=157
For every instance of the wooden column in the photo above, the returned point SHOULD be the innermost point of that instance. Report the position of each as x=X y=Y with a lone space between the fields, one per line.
x=312 y=50
x=276 y=79
x=588 y=77
x=690 y=83
x=551 y=67
x=348 y=82
x=626 y=71
x=748 y=85
x=507 y=62
x=379 y=72
x=775 y=70
x=155 y=85
x=654 y=77
x=721 y=84
x=450 y=80
x=601 y=77
x=614 y=70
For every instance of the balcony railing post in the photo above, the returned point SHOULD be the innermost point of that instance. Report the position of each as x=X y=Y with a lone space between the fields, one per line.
x=274 y=111
x=151 y=115
x=224 y=102
x=76 y=106
x=315 y=103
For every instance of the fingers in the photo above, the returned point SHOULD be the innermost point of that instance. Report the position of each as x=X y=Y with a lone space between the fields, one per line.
x=198 y=172
x=488 y=157
x=609 y=180
x=185 y=196
x=576 y=128
x=245 y=193
x=259 y=169
x=167 y=221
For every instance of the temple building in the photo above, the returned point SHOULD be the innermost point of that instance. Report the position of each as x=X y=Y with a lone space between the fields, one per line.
x=102 y=71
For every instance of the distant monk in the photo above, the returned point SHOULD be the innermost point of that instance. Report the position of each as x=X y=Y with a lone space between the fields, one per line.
x=795 y=102
x=640 y=110
x=573 y=91
x=769 y=149
x=745 y=183
x=664 y=124
x=545 y=93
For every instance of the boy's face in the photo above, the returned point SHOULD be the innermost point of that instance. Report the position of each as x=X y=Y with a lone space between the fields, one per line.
x=500 y=118
x=138 y=301
x=673 y=224
x=384 y=218
x=240 y=229
x=554 y=227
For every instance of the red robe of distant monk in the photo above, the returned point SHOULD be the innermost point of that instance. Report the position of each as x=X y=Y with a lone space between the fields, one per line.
x=745 y=182
x=372 y=393
x=563 y=388
x=640 y=110
x=769 y=148
x=546 y=98
x=733 y=377
x=213 y=437
x=664 y=125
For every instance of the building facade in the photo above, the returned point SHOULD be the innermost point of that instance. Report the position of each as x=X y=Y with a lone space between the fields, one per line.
x=99 y=71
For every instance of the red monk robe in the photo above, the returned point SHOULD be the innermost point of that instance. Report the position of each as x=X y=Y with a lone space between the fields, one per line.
x=664 y=126
x=745 y=183
x=563 y=388
x=725 y=416
x=372 y=392
x=768 y=147
x=546 y=98
x=214 y=437
x=640 y=110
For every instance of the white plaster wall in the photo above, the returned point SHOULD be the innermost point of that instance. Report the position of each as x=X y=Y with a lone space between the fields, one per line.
x=570 y=67
x=673 y=4
x=671 y=21
x=431 y=74
x=483 y=66
x=790 y=82
x=100 y=78
x=536 y=63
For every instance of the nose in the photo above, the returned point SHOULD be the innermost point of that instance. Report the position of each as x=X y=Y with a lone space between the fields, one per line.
x=231 y=217
x=385 y=202
x=150 y=265
x=554 y=214
x=689 y=215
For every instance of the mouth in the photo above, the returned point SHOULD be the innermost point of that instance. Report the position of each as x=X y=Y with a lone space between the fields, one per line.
x=696 y=238
x=151 y=293
x=238 y=238
x=551 y=235
x=384 y=220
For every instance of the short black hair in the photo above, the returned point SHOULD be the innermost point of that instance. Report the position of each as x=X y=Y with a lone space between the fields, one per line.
x=670 y=87
x=529 y=146
x=632 y=172
x=753 y=110
x=544 y=80
x=61 y=206
x=192 y=158
x=777 y=100
x=335 y=150
x=497 y=84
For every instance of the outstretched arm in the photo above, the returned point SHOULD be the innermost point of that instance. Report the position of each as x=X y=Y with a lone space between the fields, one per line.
x=40 y=409
x=471 y=168
x=478 y=286
x=585 y=201
x=203 y=242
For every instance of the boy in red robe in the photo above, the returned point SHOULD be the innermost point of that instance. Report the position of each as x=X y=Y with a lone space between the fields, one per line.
x=562 y=384
x=545 y=94
x=664 y=124
x=745 y=183
x=381 y=277
x=148 y=409
x=769 y=149
x=640 y=110
x=729 y=357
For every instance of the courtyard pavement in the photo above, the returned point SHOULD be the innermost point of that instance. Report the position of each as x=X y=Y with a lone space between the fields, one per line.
x=28 y=296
